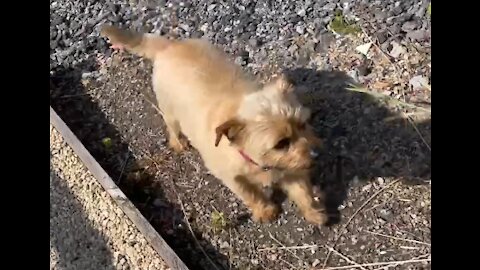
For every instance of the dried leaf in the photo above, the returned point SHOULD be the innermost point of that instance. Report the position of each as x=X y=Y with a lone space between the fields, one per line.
x=397 y=50
x=419 y=82
x=364 y=48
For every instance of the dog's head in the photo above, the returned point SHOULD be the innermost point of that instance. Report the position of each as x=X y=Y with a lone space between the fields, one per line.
x=271 y=128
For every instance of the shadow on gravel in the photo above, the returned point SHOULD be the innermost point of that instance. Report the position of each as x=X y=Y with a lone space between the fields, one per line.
x=359 y=142
x=77 y=244
x=83 y=116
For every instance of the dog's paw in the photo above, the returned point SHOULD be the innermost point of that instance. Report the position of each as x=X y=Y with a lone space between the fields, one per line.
x=316 y=216
x=265 y=212
x=178 y=145
x=118 y=47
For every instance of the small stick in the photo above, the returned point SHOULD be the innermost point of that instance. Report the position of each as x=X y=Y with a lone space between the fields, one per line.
x=409 y=248
x=353 y=216
x=399 y=238
x=394 y=264
x=71 y=96
x=187 y=222
x=191 y=230
x=286 y=248
x=123 y=168
x=380 y=95
x=291 y=265
x=419 y=134
x=154 y=105
x=385 y=55
x=345 y=258
x=378 y=264
x=280 y=243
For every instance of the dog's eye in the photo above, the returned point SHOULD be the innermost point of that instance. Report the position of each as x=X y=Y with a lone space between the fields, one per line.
x=282 y=144
x=301 y=126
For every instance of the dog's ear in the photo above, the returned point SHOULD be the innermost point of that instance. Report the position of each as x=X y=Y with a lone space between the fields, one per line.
x=230 y=129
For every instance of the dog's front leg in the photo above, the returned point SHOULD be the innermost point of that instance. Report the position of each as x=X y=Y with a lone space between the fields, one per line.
x=251 y=194
x=299 y=190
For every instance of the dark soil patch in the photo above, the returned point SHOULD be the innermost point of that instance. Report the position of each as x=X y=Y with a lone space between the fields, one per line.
x=362 y=154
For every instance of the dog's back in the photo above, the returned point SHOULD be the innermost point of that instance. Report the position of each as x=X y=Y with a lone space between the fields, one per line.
x=195 y=83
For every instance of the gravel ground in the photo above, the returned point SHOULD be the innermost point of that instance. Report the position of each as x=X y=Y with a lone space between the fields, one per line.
x=371 y=139
x=87 y=229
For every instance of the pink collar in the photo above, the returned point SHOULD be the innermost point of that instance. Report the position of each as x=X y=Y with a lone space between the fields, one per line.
x=249 y=159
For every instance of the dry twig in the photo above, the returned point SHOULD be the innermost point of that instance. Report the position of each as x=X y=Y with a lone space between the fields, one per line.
x=280 y=243
x=396 y=263
x=187 y=222
x=286 y=248
x=353 y=216
x=380 y=95
x=345 y=258
x=400 y=239
x=419 y=133
x=153 y=105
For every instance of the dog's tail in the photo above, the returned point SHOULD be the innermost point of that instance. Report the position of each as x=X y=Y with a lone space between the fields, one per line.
x=145 y=45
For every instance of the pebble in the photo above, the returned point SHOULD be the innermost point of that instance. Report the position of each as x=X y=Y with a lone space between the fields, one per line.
x=300 y=29
x=224 y=245
x=418 y=35
x=381 y=36
x=74 y=38
x=409 y=26
x=418 y=82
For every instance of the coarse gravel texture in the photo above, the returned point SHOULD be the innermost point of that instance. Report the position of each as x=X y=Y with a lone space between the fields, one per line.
x=87 y=229
x=370 y=139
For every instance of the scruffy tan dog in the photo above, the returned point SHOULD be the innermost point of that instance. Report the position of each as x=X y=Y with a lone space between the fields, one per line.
x=249 y=136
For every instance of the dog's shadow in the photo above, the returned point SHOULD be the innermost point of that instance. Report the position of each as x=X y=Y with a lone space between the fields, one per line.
x=360 y=142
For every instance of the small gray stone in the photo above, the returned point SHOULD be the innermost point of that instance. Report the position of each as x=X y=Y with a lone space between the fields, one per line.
x=353 y=74
x=253 y=42
x=382 y=36
x=330 y=6
x=418 y=82
x=380 y=15
x=324 y=41
x=300 y=29
x=397 y=10
x=395 y=29
x=409 y=26
x=224 y=245
x=301 y=12
x=385 y=214
x=418 y=35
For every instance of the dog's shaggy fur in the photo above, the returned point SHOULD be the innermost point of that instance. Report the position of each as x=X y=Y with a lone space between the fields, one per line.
x=249 y=136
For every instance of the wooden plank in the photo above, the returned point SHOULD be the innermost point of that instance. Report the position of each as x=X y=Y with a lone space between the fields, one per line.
x=157 y=242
